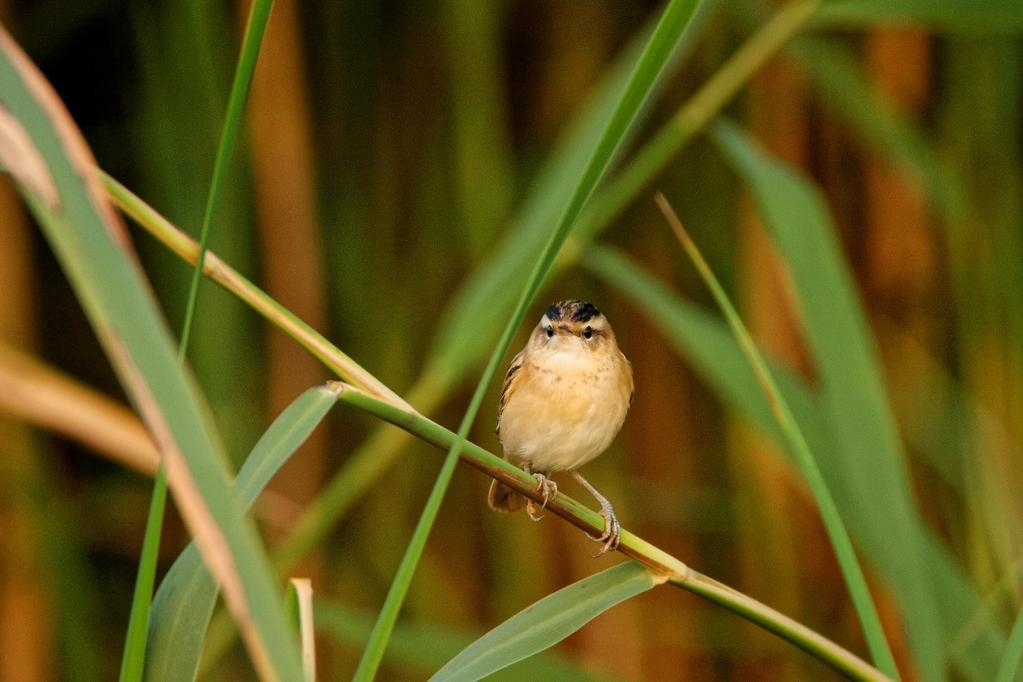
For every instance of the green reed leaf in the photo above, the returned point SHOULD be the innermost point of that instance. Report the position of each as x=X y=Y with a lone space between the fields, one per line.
x=659 y=48
x=184 y=602
x=547 y=622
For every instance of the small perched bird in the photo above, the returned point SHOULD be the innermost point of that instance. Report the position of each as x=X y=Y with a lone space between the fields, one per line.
x=564 y=400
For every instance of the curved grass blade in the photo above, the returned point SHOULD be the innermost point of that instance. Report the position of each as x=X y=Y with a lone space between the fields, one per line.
x=658 y=50
x=248 y=55
x=133 y=659
x=92 y=247
x=870 y=459
x=420 y=649
x=486 y=297
x=223 y=274
x=47 y=398
x=186 y=597
x=968 y=16
x=255 y=29
x=706 y=344
x=298 y=604
x=547 y=622
x=837 y=533
x=693 y=116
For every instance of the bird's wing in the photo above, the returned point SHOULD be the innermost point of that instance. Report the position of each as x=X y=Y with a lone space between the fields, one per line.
x=631 y=377
x=509 y=386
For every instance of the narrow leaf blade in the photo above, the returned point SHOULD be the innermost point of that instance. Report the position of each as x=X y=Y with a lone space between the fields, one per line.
x=656 y=54
x=133 y=660
x=870 y=464
x=422 y=648
x=185 y=599
x=299 y=604
x=90 y=243
x=829 y=511
x=547 y=622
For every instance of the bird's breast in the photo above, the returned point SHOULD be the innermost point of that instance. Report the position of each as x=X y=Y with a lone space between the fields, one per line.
x=566 y=410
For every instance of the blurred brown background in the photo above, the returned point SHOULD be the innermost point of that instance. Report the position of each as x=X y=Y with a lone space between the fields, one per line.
x=388 y=146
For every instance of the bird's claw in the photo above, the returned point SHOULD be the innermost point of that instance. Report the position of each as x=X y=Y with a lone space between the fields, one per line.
x=549 y=488
x=612 y=535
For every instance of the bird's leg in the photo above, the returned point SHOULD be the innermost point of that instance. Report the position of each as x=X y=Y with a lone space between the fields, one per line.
x=612 y=534
x=545 y=485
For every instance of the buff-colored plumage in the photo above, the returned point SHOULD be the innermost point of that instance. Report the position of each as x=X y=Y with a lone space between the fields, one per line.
x=565 y=396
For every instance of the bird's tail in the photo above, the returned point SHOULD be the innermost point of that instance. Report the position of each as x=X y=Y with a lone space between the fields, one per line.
x=504 y=499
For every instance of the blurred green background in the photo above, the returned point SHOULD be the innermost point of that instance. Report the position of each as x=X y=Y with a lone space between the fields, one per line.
x=395 y=153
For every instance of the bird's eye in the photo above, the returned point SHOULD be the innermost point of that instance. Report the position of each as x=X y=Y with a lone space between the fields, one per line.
x=588 y=332
x=550 y=332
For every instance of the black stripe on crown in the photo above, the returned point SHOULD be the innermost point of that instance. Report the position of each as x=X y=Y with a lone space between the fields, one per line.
x=577 y=311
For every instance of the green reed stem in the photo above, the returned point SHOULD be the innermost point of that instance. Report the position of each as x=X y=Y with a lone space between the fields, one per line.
x=836 y=529
x=655 y=55
x=133 y=660
x=604 y=208
x=606 y=205
x=589 y=521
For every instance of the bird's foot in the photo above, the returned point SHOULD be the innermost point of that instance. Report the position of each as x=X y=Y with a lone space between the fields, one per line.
x=549 y=488
x=612 y=535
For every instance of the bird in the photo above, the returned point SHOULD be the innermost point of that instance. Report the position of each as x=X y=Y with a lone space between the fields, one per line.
x=564 y=399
